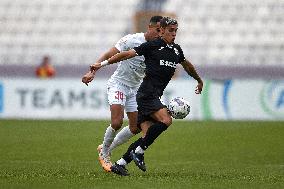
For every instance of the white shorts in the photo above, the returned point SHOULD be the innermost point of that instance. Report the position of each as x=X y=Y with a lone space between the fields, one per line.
x=119 y=93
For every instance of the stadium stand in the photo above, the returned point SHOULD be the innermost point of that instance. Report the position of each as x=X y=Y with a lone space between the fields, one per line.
x=70 y=31
x=239 y=32
x=223 y=38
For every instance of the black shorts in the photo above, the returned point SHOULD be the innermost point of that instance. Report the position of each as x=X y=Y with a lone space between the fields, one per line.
x=146 y=107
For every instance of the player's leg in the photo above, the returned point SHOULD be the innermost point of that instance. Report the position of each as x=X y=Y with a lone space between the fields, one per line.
x=117 y=112
x=116 y=98
x=119 y=166
x=132 y=112
x=126 y=132
x=116 y=122
x=129 y=131
x=160 y=116
x=154 y=120
x=162 y=121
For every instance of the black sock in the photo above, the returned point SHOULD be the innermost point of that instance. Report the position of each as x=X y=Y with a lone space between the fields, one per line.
x=153 y=132
x=133 y=146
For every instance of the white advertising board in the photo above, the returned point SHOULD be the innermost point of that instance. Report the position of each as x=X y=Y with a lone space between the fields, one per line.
x=64 y=98
x=243 y=100
x=71 y=99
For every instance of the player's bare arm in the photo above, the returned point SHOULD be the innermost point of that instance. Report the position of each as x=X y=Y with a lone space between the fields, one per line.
x=189 y=68
x=112 y=51
x=114 y=59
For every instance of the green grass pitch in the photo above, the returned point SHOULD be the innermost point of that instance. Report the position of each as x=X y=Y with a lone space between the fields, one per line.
x=62 y=154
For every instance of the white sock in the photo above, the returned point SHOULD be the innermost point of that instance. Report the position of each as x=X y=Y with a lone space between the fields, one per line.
x=122 y=136
x=121 y=161
x=108 y=138
x=139 y=150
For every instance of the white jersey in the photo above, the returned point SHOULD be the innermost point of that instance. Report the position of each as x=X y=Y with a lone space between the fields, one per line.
x=130 y=72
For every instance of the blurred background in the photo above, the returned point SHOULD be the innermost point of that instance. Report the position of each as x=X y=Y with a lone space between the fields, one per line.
x=46 y=46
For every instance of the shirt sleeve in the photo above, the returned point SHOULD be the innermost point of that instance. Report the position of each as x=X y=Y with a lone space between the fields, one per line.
x=124 y=43
x=142 y=49
x=181 y=55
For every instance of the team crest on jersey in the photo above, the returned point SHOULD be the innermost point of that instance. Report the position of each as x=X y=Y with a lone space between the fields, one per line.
x=176 y=51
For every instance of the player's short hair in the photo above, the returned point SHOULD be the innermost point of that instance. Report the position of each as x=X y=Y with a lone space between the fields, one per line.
x=166 y=21
x=155 y=19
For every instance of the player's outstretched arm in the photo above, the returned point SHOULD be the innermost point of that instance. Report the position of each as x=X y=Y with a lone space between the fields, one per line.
x=112 y=51
x=114 y=59
x=89 y=76
x=189 y=68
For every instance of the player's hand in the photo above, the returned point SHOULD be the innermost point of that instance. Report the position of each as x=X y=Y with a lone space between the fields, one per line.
x=88 y=77
x=199 y=87
x=95 y=66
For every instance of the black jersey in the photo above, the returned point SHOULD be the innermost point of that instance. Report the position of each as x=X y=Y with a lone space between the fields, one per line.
x=161 y=60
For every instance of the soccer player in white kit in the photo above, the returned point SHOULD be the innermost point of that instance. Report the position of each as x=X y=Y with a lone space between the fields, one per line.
x=122 y=88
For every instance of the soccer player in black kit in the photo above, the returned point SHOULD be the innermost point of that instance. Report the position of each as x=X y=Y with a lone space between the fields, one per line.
x=161 y=58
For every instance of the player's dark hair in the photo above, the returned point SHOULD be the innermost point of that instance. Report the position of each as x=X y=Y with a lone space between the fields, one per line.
x=166 y=21
x=155 y=19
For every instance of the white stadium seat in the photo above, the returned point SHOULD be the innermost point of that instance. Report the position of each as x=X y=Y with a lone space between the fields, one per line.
x=222 y=30
x=68 y=30
x=75 y=32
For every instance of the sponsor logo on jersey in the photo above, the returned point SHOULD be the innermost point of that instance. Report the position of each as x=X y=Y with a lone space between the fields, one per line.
x=168 y=63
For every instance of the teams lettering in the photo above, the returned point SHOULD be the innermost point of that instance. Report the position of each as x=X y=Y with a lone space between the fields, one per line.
x=168 y=63
x=41 y=98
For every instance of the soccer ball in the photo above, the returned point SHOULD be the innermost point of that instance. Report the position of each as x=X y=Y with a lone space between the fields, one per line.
x=179 y=108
